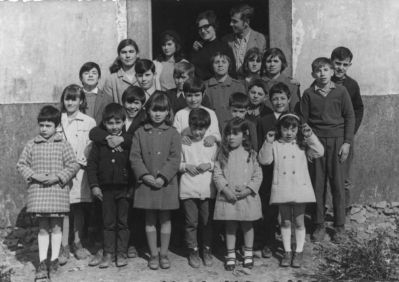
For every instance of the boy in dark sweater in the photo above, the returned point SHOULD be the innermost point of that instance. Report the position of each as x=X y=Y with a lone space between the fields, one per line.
x=327 y=108
x=341 y=58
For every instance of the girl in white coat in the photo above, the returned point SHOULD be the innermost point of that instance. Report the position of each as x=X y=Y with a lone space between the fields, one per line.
x=295 y=144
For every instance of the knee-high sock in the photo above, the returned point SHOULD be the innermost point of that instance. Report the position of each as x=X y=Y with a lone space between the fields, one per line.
x=286 y=234
x=165 y=239
x=43 y=242
x=55 y=245
x=300 y=235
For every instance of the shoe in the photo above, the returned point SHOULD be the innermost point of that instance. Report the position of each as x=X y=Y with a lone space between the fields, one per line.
x=248 y=262
x=338 y=234
x=132 y=252
x=79 y=251
x=267 y=252
x=319 y=233
x=207 y=256
x=96 y=259
x=230 y=263
x=53 y=267
x=121 y=260
x=153 y=262
x=63 y=257
x=164 y=262
x=297 y=259
x=286 y=259
x=41 y=270
x=106 y=261
x=194 y=259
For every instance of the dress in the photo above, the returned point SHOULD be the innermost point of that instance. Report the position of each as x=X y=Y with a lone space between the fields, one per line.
x=291 y=180
x=238 y=173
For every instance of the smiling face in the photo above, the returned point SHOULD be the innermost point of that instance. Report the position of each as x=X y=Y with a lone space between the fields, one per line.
x=341 y=67
x=323 y=75
x=289 y=134
x=132 y=108
x=145 y=80
x=220 y=65
x=169 y=48
x=46 y=129
x=235 y=139
x=128 y=56
x=72 y=105
x=273 y=65
x=90 y=78
x=197 y=133
x=279 y=102
x=193 y=99
x=206 y=31
x=256 y=95
x=237 y=24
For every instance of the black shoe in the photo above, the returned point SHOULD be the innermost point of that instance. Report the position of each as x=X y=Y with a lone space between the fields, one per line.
x=207 y=256
x=194 y=259
x=319 y=233
x=267 y=252
x=153 y=262
x=164 y=262
x=63 y=257
x=106 y=261
x=41 y=270
x=286 y=259
x=96 y=259
x=230 y=263
x=132 y=252
x=121 y=260
x=297 y=260
x=53 y=267
x=248 y=262
x=339 y=234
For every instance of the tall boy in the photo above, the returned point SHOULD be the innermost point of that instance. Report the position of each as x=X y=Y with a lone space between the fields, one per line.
x=327 y=108
x=196 y=188
x=341 y=58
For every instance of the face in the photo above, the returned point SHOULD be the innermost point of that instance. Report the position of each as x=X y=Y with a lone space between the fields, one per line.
x=179 y=81
x=273 y=65
x=72 y=106
x=193 y=99
x=132 y=108
x=341 y=67
x=158 y=117
x=146 y=80
x=289 y=134
x=237 y=24
x=46 y=129
x=206 y=31
x=197 y=133
x=254 y=65
x=114 y=126
x=256 y=95
x=128 y=56
x=280 y=102
x=169 y=48
x=235 y=139
x=220 y=65
x=90 y=78
x=323 y=75
x=238 y=112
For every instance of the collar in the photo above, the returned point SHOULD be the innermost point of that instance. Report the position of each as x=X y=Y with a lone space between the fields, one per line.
x=57 y=137
x=277 y=115
x=212 y=81
x=151 y=90
x=95 y=91
x=283 y=142
x=121 y=74
x=338 y=79
x=149 y=126
x=180 y=93
x=79 y=116
x=329 y=86
x=245 y=37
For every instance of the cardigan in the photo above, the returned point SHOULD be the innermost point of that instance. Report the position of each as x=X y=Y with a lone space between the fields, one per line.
x=100 y=102
x=116 y=83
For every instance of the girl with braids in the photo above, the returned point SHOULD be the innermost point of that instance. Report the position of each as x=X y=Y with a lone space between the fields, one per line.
x=237 y=177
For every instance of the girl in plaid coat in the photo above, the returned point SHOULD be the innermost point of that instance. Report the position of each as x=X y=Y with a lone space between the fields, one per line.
x=48 y=163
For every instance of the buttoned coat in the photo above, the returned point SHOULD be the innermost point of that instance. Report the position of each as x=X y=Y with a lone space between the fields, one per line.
x=156 y=151
x=48 y=156
x=116 y=83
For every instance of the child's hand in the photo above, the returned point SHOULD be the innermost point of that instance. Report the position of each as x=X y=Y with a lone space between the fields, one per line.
x=51 y=179
x=306 y=130
x=203 y=167
x=230 y=195
x=96 y=191
x=344 y=152
x=192 y=169
x=186 y=140
x=149 y=180
x=209 y=141
x=114 y=141
x=270 y=136
x=243 y=193
x=39 y=177
x=159 y=182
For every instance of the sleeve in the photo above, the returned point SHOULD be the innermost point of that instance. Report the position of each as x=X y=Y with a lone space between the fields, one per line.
x=87 y=145
x=206 y=102
x=71 y=166
x=349 y=117
x=315 y=148
x=358 y=107
x=182 y=162
x=213 y=157
x=256 y=177
x=260 y=134
x=136 y=158
x=304 y=107
x=177 y=122
x=127 y=140
x=254 y=136
x=265 y=156
x=92 y=166
x=98 y=134
x=218 y=177
x=24 y=163
x=108 y=89
x=229 y=52
x=214 y=127
x=172 y=164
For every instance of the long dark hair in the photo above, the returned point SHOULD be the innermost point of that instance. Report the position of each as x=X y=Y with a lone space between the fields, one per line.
x=72 y=92
x=117 y=65
x=288 y=120
x=173 y=36
x=159 y=101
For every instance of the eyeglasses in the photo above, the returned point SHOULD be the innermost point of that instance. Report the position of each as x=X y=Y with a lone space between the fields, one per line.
x=205 y=27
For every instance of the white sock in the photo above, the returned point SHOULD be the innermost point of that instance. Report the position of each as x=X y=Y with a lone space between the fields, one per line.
x=286 y=234
x=56 y=239
x=247 y=254
x=300 y=235
x=43 y=241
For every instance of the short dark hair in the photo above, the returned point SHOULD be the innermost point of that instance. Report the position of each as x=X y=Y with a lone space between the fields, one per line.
x=279 y=87
x=89 y=66
x=113 y=110
x=320 y=62
x=199 y=118
x=239 y=100
x=143 y=65
x=133 y=93
x=274 y=52
x=193 y=85
x=246 y=12
x=183 y=67
x=159 y=101
x=51 y=114
x=72 y=92
x=223 y=55
x=210 y=16
x=259 y=83
x=341 y=53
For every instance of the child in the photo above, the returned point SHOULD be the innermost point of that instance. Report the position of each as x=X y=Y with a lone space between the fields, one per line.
x=196 y=187
x=273 y=65
x=239 y=104
x=251 y=66
x=146 y=77
x=291 y=188
x=237 y=177
x=170 y=55
x=89 y=75
x=257 y=93
x=341 y=58
x=75 y=127
x=110 y=179
x=221 y=86
x=279 y=98
x=194 y=89
x=155 y=160
x=183 y=71
x=122 y=70
x=327 y=108
x=48 y=163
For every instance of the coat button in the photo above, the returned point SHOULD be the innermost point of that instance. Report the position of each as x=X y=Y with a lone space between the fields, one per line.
x=113 y=161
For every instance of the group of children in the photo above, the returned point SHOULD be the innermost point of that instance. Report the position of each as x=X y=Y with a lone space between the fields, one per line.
x=223 y=150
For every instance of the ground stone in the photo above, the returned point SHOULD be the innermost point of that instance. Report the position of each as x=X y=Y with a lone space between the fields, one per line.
x=381 y=205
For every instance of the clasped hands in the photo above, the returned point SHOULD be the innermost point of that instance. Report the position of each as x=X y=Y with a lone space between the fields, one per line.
x=156 y=183
x=239 y=192
x=45 y=178
x=194 y=170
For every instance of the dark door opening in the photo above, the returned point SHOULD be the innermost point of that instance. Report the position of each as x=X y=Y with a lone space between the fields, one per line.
x=180 y=15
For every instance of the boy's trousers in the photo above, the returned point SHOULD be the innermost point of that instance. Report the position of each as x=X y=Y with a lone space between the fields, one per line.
x=198 y=216
x=329 y=167
x=115 y=214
